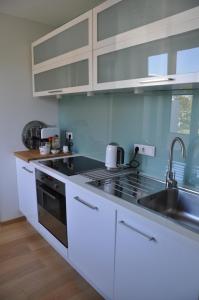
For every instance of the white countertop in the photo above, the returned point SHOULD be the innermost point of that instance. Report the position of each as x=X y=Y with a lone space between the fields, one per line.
x=117 y=202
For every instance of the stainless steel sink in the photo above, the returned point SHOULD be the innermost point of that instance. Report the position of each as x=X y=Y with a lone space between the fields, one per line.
x=181 y=206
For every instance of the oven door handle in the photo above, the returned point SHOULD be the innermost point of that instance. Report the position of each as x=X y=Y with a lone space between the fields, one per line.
x=47 y=193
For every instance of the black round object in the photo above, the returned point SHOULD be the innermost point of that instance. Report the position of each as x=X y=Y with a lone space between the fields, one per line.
x=31 y=134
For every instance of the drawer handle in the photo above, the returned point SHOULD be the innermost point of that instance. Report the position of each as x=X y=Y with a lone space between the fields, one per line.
x=148 y=237
x=27 y=170
x=55 y=91
x=85 y=203
x=151 y=80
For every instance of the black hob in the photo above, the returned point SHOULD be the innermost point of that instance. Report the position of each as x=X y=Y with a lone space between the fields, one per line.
x=73 y=165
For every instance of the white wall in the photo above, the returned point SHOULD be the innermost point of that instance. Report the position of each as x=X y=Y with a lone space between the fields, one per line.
x=17 y=106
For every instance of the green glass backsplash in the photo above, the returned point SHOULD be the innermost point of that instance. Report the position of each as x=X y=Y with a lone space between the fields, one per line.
x=127 y=118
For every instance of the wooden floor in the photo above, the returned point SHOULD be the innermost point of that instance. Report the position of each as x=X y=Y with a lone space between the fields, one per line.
x=31 y=269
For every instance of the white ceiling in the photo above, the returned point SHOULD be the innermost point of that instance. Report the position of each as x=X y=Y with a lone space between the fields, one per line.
x=51 y=12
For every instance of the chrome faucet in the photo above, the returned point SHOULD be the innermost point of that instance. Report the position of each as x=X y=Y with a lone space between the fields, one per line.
x=170 y=177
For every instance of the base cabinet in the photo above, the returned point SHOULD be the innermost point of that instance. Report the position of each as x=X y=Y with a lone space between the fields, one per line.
x=91 y=237
x=124 y=255
x=26 y=190
x=153 y=262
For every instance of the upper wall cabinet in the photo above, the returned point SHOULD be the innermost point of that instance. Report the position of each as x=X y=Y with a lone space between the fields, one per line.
x=72 y=75
x=62 y=60
x=114 y=18
x=151 y=43
x=120 y=44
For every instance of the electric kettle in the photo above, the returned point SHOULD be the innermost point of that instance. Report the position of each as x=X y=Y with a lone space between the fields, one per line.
x=114 y=156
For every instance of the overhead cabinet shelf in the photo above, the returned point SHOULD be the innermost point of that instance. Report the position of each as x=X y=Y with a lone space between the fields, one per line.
x=120 y=44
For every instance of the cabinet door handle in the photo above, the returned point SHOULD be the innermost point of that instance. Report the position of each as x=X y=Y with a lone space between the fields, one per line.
x=55 y=91
x=27 y=170
x=148 y=237
x=85 y=203
x=151 y=80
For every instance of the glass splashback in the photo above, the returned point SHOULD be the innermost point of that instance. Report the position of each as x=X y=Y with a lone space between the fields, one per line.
x=151 y=119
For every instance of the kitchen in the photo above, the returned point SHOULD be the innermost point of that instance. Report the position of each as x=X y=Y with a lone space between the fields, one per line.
x=120 y=101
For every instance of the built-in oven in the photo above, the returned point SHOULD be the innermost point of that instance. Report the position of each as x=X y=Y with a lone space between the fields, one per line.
x=51 y=204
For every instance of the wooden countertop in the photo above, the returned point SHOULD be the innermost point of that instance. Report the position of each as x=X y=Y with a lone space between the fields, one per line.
x=29 y=155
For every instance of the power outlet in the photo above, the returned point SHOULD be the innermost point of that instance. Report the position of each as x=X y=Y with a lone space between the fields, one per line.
x=69 y=133
x=145 y=149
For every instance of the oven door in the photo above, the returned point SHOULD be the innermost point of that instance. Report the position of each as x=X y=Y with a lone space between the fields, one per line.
x=52 y=212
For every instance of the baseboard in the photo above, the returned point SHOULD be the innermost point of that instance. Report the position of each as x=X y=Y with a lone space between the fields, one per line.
x=12 y=221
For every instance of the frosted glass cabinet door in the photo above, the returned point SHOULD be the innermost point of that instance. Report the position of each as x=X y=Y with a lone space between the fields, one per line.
x=174 y=55
x=115 y=17
x=133 y=62
x=71 y=36
x=63 y=78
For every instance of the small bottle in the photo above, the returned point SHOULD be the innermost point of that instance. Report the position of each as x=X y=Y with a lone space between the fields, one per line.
x=65 y=149
x=55 y=142
x=50 y=142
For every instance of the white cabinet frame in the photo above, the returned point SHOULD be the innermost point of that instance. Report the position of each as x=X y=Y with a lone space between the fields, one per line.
x=66 y=59
x=170 y=26
x=91 y=225
x=27 y=190
x=62 y=62
x=87 y=15
x=98 y=44
x=167 y=25
x=141 y=246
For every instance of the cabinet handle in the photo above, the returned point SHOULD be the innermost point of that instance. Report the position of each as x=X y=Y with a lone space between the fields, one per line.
x=55 y=91
x=148 y=237
x=85 y=203
x=27 y=170
x=151 y=80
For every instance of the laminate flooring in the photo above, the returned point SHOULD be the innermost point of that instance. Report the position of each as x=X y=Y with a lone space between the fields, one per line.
x=30 y=269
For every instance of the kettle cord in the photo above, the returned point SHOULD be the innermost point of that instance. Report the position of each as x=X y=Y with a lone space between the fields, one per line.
x=134 y=163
